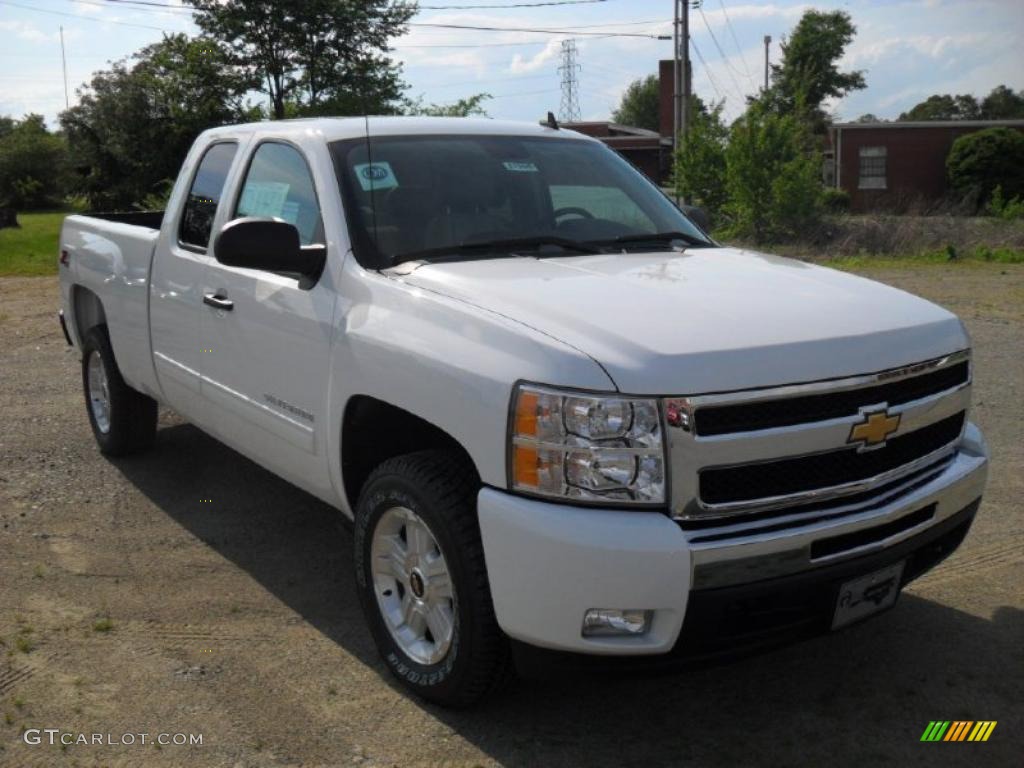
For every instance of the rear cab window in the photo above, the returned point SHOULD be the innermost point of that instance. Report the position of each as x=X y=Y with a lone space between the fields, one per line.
x=204 y=196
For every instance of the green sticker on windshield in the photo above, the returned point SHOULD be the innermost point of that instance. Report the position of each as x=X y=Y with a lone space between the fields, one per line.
x=375 y=176
x=518 y=166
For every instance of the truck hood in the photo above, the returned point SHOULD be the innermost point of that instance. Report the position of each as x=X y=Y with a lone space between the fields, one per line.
x=704 y=320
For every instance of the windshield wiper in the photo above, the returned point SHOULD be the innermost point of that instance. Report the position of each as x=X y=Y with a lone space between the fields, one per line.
x=505 y=247
x=653 y=237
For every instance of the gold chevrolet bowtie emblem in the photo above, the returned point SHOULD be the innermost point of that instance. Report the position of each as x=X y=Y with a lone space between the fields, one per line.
x=874 y=429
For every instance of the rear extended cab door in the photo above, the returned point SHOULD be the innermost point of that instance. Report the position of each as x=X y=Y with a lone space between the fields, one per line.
x=180 y=262
x=268 y=336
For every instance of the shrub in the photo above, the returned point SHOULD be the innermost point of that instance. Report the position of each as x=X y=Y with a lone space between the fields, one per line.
x=772 y=177
x=835 y=200
x=699 y=168
x=1005 y=209
x=981 y=161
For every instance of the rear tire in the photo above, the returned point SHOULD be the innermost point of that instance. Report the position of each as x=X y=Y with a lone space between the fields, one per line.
x=428 y=601
x=123 y=421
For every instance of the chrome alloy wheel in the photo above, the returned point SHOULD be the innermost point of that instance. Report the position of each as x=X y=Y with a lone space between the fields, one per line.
x=99 y=392
x=413 y=586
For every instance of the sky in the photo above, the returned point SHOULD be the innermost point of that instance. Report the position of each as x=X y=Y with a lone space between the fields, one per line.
x=908 y=49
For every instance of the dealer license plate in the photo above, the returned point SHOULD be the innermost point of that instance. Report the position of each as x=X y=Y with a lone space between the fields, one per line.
x=869 y=594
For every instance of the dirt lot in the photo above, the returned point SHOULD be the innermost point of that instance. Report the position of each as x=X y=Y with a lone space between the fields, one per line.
x=190 y=591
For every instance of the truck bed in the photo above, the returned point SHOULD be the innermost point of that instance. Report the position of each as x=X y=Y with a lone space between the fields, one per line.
x=147 y=219
x=110 y=255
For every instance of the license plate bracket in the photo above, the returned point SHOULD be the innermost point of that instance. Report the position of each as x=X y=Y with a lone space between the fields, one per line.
x=866 y=595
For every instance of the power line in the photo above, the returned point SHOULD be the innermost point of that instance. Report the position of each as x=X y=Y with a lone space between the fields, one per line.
x=544 y=3
x=721 y=53
x=87 y=18
x=551 y=31
x=736 y=42
x=707 y=70
x=508 y=5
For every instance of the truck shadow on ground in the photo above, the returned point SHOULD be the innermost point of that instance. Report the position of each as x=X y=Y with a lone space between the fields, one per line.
x=867 y=692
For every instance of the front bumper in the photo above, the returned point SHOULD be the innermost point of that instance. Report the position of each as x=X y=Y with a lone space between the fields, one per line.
x=549 y=563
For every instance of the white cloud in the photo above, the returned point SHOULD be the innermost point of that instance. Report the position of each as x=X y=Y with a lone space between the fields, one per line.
x=26 y=31
x=521 y=65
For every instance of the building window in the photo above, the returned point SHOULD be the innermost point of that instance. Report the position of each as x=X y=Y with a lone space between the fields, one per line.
x=872 y=168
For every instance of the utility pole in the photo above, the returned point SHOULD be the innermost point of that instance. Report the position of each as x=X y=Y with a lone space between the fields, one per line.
x=570 y=109
x=64 y=64
x=681 y=72
x=767 y=42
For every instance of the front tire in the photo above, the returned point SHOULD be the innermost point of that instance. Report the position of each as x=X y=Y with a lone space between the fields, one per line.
x=123 y=421
x=422 y=580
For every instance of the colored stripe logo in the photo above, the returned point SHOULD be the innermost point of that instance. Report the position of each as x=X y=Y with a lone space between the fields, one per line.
x=958 y=730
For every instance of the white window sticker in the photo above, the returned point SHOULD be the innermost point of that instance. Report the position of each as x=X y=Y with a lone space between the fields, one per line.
x=518 y=166
x=263 y=198
x=375 y=176
x=290 y=212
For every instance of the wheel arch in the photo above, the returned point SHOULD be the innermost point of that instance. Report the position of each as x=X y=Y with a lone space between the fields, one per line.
x=373 y=431
x=87 y=311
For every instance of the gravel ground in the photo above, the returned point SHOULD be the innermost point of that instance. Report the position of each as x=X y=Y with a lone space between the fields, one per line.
x=190 y=591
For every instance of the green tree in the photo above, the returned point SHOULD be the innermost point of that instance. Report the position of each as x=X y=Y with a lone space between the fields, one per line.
x=980 y=162
x=32 y=163
x=1003 y=103
x=944 y=107
x=135 y=122
x=640 y=105
x=772 y=176
x=324 y=56
x=471 y=106
x=700 y=166
x=809 y=72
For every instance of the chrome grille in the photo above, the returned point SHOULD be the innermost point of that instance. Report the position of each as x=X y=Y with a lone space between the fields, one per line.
x=803 y=458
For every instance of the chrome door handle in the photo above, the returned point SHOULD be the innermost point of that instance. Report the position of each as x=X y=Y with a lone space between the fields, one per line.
x=218 y=302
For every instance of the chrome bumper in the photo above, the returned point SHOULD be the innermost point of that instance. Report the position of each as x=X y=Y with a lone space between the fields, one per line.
x=724 y=558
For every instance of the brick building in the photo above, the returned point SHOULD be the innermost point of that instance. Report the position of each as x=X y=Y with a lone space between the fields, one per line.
x=650 y=151
x=894 y=166
x=644 y=149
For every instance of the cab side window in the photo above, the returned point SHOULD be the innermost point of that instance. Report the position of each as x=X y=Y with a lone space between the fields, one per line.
x=278 y=185
x=203 y=197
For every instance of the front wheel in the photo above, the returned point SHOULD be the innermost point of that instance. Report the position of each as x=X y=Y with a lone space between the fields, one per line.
x=422 y=580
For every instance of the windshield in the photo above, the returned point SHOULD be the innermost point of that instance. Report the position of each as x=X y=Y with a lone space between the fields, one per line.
x=410 y=194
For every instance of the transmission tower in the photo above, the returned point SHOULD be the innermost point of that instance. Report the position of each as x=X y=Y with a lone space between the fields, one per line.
x=570 y=109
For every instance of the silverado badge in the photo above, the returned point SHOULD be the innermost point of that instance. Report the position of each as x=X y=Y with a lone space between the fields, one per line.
x=874 y=428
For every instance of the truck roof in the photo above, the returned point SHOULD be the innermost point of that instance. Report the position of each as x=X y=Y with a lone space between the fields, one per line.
x=337 y=128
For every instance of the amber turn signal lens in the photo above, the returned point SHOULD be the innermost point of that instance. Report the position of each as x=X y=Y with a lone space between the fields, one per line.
x=525 y=467
x=526 y=413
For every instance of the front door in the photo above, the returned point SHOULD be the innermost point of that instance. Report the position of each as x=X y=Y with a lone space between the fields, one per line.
x=267 y=336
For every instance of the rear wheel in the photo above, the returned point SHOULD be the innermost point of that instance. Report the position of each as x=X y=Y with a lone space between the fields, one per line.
x=123 y=421
x=422 y=580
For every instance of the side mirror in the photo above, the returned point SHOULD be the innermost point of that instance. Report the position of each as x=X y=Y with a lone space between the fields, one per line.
x=698 y=216
x=268 y=244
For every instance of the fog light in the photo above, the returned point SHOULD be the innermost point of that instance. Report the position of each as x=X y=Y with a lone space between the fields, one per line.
x=604 y=622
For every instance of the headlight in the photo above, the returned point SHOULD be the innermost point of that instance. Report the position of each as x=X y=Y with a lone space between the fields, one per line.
x=600 y=448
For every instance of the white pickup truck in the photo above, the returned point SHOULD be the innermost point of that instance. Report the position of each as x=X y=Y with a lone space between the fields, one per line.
x=567 y=424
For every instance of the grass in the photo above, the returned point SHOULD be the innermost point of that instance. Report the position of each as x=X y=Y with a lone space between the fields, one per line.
x=24 y=641
x=944 y=256
x=31 y=249
x=103 y=625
